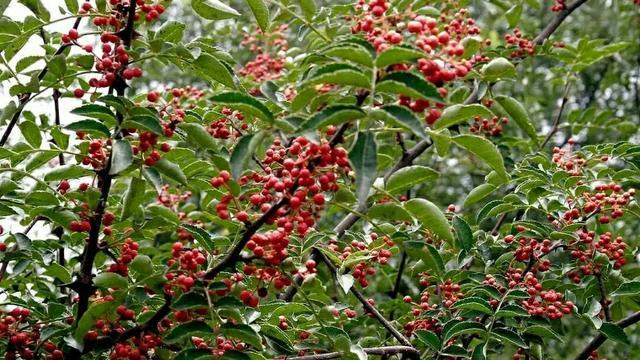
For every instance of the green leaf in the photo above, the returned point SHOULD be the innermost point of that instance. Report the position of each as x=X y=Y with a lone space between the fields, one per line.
x=213 y=9
x=58 y=65
x=242 y=153
x=339 y=74
x=59 y=272
x=245 y=103
x=261 y=12
x=67 y=172
x=478 y=193
x=461 y=328
x=510 y=311
x=350 y=51
x=198 y=135
x=408 y=84
x=31 y=133
x=485 y=150
x=243 y=333
x=499 y=69
x=171 y=170
x=190 y=300
x=474 y=303
x=398 y=55
x=389 y=212
x=428 y=338
x=95 y=111
x=332 y=115
x=144 y=122
x=464 y=233
x=509 y=336
x=308 y=8
x=133 y=198
x=542 y=331
x=191 y=328
x=37 y=8
x=430 y=216
x=517 y=113
x=400 y=116
x=442 y=141
x=111 y=280
x=171 y=31
x=408 y=177
x=213 y=69
x=458 y=114
x=72 y=6
x=89 y=126
x=614 y=332
x=121 y=156
x=630 y=288
x=513 y=15
x=43 y=198
x=363 y=157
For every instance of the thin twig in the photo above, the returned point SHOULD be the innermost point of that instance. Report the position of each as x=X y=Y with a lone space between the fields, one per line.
x=601 y=338
x=604 y=301
x=556 y=122
x=555 y=23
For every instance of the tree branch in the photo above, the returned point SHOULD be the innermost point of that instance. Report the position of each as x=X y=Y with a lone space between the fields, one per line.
x=555 y=23
x=556 y=122
x=368 y=307
x=601 y=338
x=604 y=301
x=381 y=351
x=23 y=99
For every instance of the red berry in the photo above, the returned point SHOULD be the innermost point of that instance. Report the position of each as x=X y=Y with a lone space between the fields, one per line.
x=78 y=93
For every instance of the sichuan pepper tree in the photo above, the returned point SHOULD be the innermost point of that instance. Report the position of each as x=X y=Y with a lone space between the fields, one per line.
x=299 y=195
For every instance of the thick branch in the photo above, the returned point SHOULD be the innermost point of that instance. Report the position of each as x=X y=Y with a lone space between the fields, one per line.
x=368 y=307
x=555 y=23
x=381 y=351
x=601 y=338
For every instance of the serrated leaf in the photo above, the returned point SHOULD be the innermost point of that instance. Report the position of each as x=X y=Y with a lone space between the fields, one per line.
x=543 y=331
x=171 y=31
x=428 y=338
x=485 y=150
x=242 y=332
x=144 y=122
x=141 y=265
x=389 y=212
x=339 y=74
x=408 y=84
x=72 y=6
x=171 y=170
x=630 y=288
x=397 y=55
x=196 y=354
x=213 y=9
x=190 y=300
x=308 y=8
x=408 y=177
x=121 y=156
x=59 y=272
x=474 y=303
x=431 y=217
x=67 y=172
x=198 y=135
x=614 y=332
x=213 y=69
x=133 y=198
x=363 y=157
x=261 y=13
x=332 y=115
x=89 y=126
x=400 y=116
x=478 y=193
x=513 y=15
x=509 y=336
x=461 y=328
x=459 y=114
x=517 y=113
x=31 y=132
x=95 y=111
x=463 y=232
x=242 y=153
x=191 y=328
x=245 y=103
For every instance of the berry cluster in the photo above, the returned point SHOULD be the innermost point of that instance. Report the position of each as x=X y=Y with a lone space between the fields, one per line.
x=488 y=127
x=568 y=161
x=266 y=66
x=128 y=252
x=229 y=124
x=540 y=302
x=524 y=46
x=528 y=247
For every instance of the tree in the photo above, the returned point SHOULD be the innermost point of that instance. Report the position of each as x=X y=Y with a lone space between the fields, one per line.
x=414 y=179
